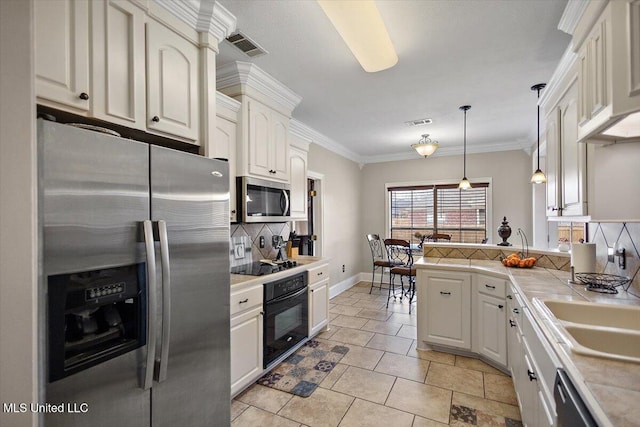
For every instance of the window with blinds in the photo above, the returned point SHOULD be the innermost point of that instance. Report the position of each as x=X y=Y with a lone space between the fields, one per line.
x=442 y=209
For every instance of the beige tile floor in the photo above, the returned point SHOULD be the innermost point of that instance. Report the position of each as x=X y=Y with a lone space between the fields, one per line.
x=383 y=380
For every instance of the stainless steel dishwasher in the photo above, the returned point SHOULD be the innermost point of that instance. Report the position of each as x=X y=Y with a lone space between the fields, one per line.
x=571 y=410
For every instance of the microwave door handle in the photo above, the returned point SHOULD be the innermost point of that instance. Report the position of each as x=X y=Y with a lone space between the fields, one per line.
x=286 y=202
x=162 y=362
x=147 y=227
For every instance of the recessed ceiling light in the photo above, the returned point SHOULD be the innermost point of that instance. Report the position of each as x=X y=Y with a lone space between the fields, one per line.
x=418 y=122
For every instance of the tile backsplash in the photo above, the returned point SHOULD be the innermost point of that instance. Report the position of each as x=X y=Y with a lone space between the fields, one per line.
x=252 y=232
x=619 y=235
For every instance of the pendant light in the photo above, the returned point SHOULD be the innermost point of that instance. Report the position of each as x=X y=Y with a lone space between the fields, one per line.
x=464 y=183
x=425 y=147
x=538 y=176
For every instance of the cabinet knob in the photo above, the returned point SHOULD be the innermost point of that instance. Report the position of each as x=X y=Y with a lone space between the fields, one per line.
x=155 y=119
x=512 y=323
x=233 y=212
x=516 y=311
x=84 y=96
x=532 y=375
x=509 y=297
x=490 y=286
x=445 y=293
x=560 y=209
x=243 y=301
x=501 y=306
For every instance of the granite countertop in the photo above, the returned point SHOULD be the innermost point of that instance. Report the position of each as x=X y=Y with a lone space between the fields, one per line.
x=304 y=263
x=610 y=387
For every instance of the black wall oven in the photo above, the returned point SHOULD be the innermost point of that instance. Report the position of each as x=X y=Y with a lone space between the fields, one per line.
x=286 y=310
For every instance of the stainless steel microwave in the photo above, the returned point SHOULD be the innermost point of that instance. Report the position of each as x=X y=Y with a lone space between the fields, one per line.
x=260 y=200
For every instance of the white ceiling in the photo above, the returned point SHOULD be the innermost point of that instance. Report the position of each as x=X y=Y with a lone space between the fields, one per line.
x=484 y=53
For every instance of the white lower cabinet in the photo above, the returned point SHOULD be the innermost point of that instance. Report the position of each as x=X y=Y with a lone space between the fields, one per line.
x=318 y=279
x=246 y=337
x=444 y=317
x=492 y=335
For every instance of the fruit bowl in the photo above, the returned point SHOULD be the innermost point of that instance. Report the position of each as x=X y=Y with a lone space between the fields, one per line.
x=515 y=261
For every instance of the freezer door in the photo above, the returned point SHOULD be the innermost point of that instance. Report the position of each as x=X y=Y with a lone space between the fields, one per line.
x=190 y=198
x=93 y=192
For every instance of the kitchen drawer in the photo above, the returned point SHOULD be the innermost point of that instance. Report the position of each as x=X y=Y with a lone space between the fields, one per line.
x=246 y=299
x=493 y=286
x=319 y=273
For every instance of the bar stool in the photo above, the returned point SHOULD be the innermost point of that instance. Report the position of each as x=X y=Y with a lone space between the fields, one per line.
x=401 y=256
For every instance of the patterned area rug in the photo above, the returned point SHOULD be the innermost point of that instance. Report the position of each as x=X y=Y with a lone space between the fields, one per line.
x=304 y=370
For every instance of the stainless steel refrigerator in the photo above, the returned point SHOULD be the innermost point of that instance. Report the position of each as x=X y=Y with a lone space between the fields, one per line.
x=134 y=296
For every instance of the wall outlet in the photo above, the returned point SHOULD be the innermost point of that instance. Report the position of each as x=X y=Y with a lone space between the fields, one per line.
x=261 y=242
x=343 y=268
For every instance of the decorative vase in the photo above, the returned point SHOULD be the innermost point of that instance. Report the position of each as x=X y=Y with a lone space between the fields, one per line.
x=504 y=231
x=563 y=246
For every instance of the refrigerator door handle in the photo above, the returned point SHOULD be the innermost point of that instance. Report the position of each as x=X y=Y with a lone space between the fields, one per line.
x=147 y=380
x=162 y=362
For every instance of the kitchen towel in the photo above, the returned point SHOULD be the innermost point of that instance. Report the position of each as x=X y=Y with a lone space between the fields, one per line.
x=583 y=257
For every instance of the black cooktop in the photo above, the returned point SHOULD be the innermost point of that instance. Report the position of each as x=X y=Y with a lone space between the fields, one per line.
x=260 y=269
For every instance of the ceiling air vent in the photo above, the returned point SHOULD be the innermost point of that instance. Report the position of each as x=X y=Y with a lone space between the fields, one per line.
x=418 y=122
x=246 y=45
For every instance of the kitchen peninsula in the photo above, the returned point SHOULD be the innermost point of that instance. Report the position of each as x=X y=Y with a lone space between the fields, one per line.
x=460 y=286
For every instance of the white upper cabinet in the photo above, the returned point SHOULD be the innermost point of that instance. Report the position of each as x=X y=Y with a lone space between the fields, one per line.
x=263 y=125
x=118 y=63
x=298 y=181
x=606 y=40
x=566 y=158
x=225 y=142
x=148 y=83
x=62 y=54
x=172 y=83
x=267 y=143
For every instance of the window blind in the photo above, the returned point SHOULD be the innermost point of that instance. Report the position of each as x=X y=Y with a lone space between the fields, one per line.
x=439 y=209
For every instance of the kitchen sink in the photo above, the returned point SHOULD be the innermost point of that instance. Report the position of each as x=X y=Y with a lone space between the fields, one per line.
x=610 y=331
x=589 y=313
x=613 y=344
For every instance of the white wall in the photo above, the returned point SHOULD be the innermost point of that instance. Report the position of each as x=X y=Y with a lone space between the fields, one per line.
x=510 y=172
x=342 y=213
x=18 y=226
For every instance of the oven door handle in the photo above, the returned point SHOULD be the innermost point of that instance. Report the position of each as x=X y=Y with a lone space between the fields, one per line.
x=288 y=296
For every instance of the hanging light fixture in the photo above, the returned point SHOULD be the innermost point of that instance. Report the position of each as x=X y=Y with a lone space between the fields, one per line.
x=538 y=176
x=425 y=147
x=464 y=183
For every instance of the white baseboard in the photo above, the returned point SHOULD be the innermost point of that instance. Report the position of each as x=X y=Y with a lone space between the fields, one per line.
x=340 y=287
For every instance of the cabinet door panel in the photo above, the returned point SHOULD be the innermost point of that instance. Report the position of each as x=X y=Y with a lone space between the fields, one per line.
x=553 y=153
x=492 y=333
x=448 y=309
x=118 y=63
x=62 y=51
x=246 y=348
x=573 y=157
x=318 y=306
x=298 y=171
x=172 y=83
x=259 y=136
x=280 y=146
x=224 y=147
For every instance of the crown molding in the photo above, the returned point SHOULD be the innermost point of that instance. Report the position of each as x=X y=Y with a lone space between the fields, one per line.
x=303 y=131
x=250 y=75
x=225 y=101
x=571 y=15
x=207 y=16
x=557 y=80
x=448 y=151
